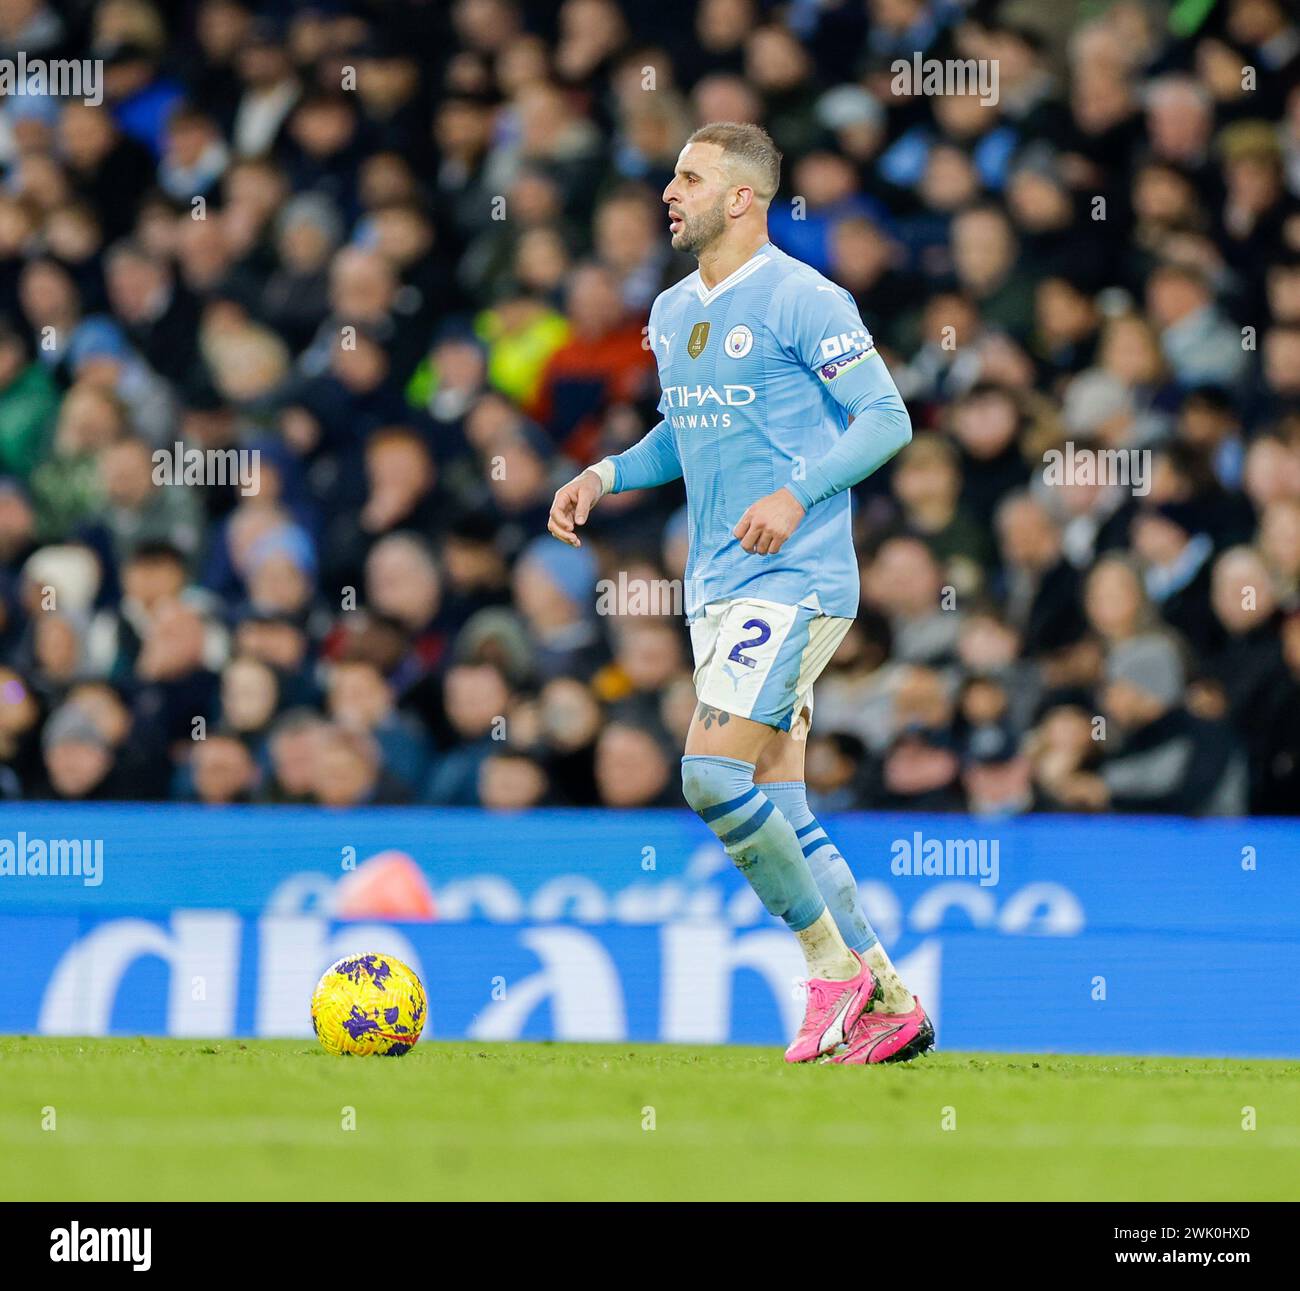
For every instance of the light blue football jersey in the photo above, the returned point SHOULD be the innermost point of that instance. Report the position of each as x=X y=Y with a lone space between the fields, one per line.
x=761 y=376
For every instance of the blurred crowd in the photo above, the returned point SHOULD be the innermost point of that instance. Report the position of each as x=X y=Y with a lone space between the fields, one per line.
x=405 y=251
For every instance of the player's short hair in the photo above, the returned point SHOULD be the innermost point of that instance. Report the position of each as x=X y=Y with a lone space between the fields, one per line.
x=752 y=146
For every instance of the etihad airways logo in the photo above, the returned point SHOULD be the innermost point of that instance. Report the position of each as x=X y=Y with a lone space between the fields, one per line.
x=702 y=396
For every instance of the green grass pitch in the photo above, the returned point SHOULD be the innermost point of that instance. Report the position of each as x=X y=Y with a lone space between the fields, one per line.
x=138 y=1119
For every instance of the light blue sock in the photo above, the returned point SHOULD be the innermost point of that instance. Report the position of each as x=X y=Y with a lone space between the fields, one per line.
x=829 y=869
x=758 y=838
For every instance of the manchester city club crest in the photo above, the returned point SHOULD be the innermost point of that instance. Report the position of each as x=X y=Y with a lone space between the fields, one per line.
x=698 y=340
x=739 y=342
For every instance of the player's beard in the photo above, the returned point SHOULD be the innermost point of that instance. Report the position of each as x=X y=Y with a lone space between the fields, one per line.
x=700 y=231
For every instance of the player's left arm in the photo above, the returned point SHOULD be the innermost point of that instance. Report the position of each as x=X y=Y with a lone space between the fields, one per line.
x=820 y=327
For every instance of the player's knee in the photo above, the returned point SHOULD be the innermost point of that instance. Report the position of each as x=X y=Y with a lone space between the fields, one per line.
x=710 y=784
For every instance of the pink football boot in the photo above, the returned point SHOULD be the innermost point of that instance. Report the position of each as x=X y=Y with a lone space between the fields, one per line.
x=833 y=1008
x=887 y=1037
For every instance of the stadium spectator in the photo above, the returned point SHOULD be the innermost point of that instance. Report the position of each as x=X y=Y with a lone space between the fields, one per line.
x=174 y=686
x=649 y=652
x=927 y=482
x=401 y=479
x=347 y=771
x=222 y=770
x=996 y=775
x=20 y=719
x=570 y=722
x=78 y=761
x=28 y=398
x=474 y=700
x=554 y=588
x=250 y=696
x=360 y=698
x=834 y=770
x=1063 y=741
x=293 y=746
x=904 y=581
x=1166 y=759
x=1040 y=589
x=602 y=362
x=634 y=768
x=511 y=782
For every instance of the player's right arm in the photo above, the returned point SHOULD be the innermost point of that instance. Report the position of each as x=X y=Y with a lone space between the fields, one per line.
x=651 y=461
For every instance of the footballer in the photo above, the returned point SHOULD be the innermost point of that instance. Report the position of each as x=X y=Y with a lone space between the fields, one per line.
x=775 y=403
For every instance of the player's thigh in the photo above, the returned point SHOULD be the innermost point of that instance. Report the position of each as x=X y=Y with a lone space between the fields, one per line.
x=716 y=733
x=782 y=759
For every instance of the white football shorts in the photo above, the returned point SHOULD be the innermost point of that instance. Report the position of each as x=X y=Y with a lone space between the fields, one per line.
x=759 y=659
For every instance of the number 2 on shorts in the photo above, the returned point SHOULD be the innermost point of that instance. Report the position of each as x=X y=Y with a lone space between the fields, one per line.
x=763 y=632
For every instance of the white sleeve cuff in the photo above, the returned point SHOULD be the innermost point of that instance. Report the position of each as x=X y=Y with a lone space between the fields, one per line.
x=604 y=469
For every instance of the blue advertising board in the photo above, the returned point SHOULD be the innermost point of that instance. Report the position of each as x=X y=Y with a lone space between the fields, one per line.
x=1048 y=933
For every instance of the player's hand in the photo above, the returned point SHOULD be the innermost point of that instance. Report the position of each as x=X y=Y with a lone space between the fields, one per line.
x=769 y=522
x=572 y=506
